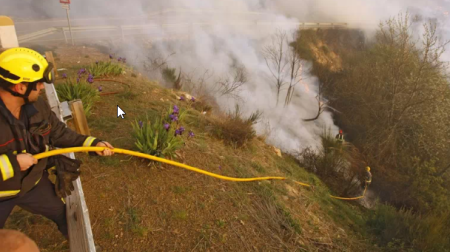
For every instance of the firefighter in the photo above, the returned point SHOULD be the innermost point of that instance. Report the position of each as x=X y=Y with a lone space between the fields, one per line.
x=340 y=136
x=28 y=126
x=368 y=176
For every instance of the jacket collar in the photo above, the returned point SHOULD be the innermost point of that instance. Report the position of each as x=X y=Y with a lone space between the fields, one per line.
x=29 y=109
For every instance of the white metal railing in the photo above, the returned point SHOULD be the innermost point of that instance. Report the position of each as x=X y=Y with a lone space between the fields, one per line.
x=122 y=28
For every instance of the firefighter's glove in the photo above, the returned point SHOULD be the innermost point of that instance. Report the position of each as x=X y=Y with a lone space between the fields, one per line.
x=67 y=170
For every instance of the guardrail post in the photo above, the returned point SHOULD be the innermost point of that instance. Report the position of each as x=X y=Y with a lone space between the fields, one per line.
x=49 y=57
x=8 y=36
x=79 y=225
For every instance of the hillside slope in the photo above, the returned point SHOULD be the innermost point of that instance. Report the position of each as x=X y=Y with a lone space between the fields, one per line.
x=135 y=205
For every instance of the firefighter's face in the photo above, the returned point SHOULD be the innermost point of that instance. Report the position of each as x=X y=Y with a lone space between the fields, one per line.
x=34 y=95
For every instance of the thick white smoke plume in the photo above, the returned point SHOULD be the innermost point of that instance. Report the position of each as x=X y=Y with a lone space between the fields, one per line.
x=218 y=47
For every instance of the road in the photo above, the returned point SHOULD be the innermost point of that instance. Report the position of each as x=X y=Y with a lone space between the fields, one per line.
x=159 y=25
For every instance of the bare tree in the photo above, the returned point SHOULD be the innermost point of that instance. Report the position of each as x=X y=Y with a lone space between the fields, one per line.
x=295 y=68
x=230 y=84
x=320 y=104
x=156 y=62
x=275 y=57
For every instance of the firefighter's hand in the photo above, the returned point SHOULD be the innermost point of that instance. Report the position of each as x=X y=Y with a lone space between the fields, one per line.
x=108 y=151
x=25 y=161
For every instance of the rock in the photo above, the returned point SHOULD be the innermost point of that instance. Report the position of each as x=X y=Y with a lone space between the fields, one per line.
x=277 y=151
x=291 y=191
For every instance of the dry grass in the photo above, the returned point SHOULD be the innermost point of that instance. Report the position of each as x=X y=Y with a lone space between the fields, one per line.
x=135 y=206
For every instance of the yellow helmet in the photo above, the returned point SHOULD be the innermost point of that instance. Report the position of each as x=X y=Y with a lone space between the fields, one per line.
x=20 y=64
x=368 y=168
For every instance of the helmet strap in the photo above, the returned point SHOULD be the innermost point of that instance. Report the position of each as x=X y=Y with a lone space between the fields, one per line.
x=31 y=86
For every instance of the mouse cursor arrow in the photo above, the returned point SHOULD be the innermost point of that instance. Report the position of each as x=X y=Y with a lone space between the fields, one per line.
x=120 y=112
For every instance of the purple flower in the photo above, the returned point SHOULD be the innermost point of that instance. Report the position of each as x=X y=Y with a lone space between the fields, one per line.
x=81 y=71
x=110 y=56
x=179 y=131
x=119 y=59
x=166 y=126
x=124 y=60
x=182 y=98
x=141 y=124
x=193 y=99
x=78 y=79
x=174 y=118
x=220 y=167
x=90 y=78
x=96 y=62
x=191 y=134
x=64 y=75
x=176 y=110
x=100 y=88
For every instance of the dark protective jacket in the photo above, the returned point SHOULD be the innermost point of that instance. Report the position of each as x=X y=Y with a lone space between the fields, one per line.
x=368 y=177
x=340 y=137
x=37 y=130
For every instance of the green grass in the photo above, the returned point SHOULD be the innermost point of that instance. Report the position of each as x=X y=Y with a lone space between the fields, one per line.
x=105 y=69
x=71 y=90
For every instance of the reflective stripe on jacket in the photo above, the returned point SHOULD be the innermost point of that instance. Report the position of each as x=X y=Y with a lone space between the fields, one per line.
x=44 y=131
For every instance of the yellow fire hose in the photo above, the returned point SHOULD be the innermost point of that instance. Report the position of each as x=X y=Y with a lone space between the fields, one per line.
x=170 y=162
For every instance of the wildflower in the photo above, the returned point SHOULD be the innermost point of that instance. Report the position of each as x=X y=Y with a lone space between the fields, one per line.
x=64 y=75
x=81 y=71
x=174 y=118
x=110 y=56
x=181 y=130
x=119 y=59
x=182 y=98
x=141 y=124
x=90 y=78
x=100 y=88
x=176 y=110
x=193 y=99
x=78 y=79
x=96 y=62
x=124 y=60
x=191 y=134
x=177 y=132
x=166 y=126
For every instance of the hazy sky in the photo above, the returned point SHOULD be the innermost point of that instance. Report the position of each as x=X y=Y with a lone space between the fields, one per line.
x=216 y=50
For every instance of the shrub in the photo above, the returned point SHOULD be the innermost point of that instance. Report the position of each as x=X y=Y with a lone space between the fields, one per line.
x=235 y=130
x=403 y=230
x=168 y=74
x=102 y=68
x=71 y=90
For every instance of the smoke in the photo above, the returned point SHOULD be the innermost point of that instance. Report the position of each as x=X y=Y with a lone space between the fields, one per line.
x=217 y=47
